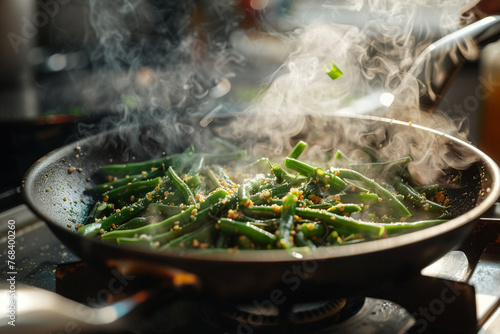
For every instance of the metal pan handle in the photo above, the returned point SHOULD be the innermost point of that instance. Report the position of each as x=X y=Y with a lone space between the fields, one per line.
x=34 y=310
x=439 y=62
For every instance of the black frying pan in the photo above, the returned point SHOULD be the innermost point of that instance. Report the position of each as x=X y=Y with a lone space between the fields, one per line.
x=57 y=196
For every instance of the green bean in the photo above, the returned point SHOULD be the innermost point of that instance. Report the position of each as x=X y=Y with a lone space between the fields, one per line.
x=355 y=198
x=262 y=212
x=284 y=176
x=356 y=226
x=340 y=156
x=92 y=212
x=326 y=178
x=181 y=159
x=116 y=218
x=398 y=208
x=348 y=239
x=211 y=211
x=377 y=168
x=347 y=232
x=192 y=181
x=90 y=230
x=350 y=224
x=136 y=242
x=280 y=173
x=224 y=157
x=134 y=223
x=394 y=228
x=225 y=144
x=197 y=166
x=245 y=242
x=184 y=159
x=223 y=240
x=335 y=72
x=126 y=192
x=128 y=179
x=100 y=210
x=355 y=188
x=266 y=195
x=163 y=209
x=194 y=238
x=254 y=233
x=429 y=191
x=261 y=165
x=213 y=198
x=302 y=167
x=270 y=225
x=161 y=240
x=200 y=189
x=345 y=208
x=224 y=177
x=214 y=179
x=297 y=150
x=300 y=203
x=370 y=151
x=313 y=229
x=181 y=186
x=208 y=212
x=249 y=186
x=160 y=227
x=320 y=206
x=286 y=219
x=172 y=198
x=302 y=240
x=417 y=200
x=137 y=167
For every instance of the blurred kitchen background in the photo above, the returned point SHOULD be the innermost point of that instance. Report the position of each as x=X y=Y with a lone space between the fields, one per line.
x=57 y=81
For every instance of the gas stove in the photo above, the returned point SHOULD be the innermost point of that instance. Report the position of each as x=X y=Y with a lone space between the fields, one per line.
x=460 y=293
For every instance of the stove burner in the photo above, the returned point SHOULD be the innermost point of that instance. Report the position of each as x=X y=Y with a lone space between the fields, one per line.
x=290 y=318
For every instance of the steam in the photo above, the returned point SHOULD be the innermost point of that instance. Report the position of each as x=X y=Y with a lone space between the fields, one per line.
x=157 y=65
x=173 y=65
x=375 y=56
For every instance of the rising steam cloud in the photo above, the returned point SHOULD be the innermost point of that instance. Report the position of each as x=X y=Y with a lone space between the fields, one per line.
x=156 y=63
x=176 y=58
x=375 y=55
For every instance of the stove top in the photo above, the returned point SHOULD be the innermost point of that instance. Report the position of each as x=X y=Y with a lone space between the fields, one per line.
x=460 y=293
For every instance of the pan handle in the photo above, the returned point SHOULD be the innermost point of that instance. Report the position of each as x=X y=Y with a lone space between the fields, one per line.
x=34 y=310
x=437 y=65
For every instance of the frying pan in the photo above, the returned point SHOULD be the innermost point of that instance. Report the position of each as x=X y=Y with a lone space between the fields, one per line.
x=60 y=198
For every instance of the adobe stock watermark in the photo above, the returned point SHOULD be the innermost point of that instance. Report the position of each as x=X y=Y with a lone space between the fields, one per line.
x=11 y=272
x=429 y=313
x=471 y=103
x=31 y=25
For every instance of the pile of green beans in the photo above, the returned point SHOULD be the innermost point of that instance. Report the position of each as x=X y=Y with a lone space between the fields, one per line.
x=223 y=200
